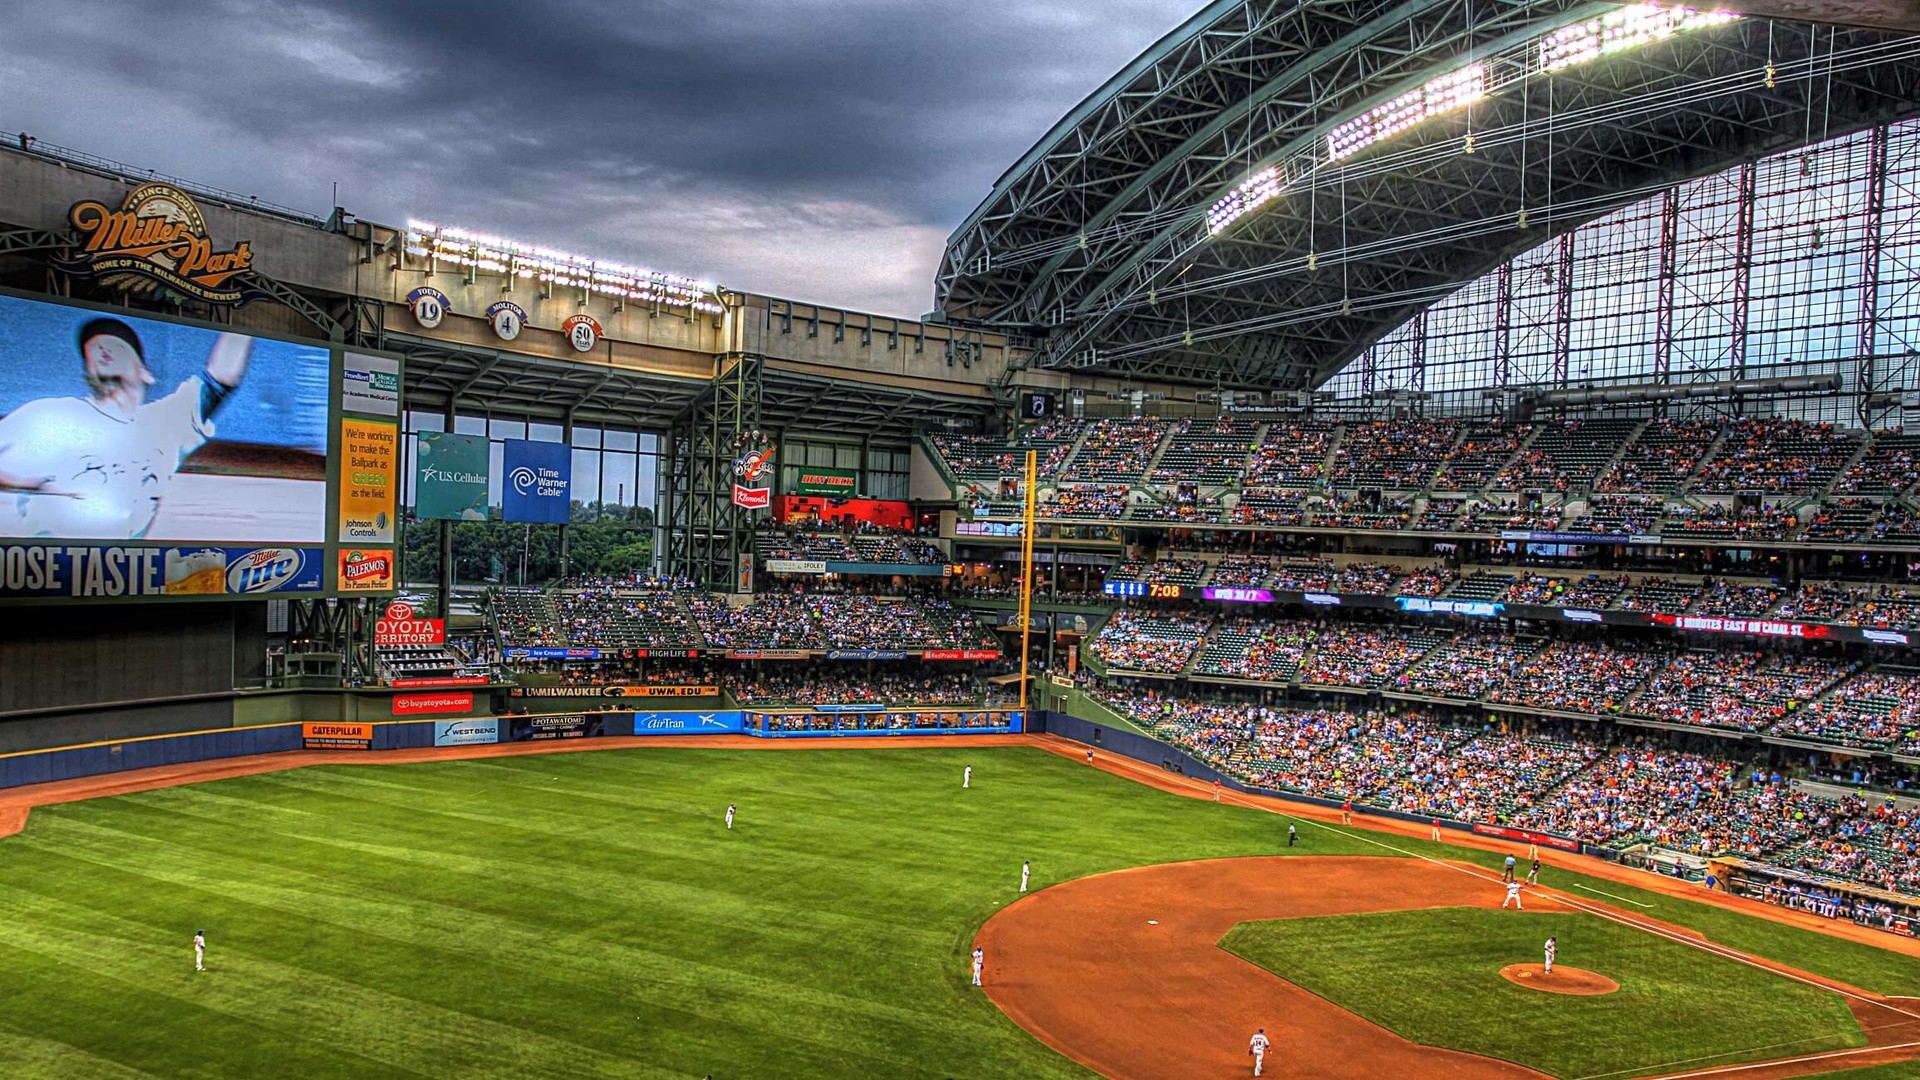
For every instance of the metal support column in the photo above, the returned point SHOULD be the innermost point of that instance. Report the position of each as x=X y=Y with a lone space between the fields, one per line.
x=1742 y=274
x=1503 y=325
x=1417 y=377
x=708 y=534
x=1563 y=310
x=1867 y=331
x=1663 y=309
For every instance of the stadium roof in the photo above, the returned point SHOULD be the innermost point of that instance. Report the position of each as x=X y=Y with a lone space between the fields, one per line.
x=1277 y=184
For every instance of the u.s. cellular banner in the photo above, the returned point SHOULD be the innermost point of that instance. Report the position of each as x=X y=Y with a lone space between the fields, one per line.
x=450 y=477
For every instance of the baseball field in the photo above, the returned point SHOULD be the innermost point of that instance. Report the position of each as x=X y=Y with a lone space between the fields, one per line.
x=590 y=915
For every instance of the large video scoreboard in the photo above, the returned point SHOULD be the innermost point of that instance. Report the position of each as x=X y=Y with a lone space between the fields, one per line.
x=145 y=458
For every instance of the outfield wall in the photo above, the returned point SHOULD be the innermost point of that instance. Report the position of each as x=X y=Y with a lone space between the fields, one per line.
x=95 y=759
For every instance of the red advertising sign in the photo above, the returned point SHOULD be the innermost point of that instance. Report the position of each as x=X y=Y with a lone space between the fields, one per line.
x=1763 y=627
x=751 y=498
x=458 y=701
x=960 y=654
x=441 y=680
x=407 y=630
x=1527 y=836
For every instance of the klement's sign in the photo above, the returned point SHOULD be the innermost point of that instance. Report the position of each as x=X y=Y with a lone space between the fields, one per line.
x=156 y=239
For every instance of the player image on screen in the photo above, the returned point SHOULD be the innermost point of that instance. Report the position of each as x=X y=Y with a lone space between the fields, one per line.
x=109 y=459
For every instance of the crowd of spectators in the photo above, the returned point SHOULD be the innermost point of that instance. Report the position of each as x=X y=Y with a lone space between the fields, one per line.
x=1735 y=688
x=1139 y=640
x=831 y=683
x=1596 y=784
x=811 y=620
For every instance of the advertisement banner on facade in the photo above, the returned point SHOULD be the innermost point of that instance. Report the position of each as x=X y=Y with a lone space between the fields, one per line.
x=398 y=626
x=450 y=477
x=370 y=384
x=428 y=681
x=960 y=654
x=108 y=572
x=539 y=480
x=796 y=566
x=838 y=483
x=549 y=652
x=751 y=498
x=157 y=239
x=767 y=654
x=466 y=732
x=688 y=723
x=574 y=726
x=615 y=691
x=866 y=654
x=368 y=451
x=336 y=736
x=366 y=570
x=427 y=704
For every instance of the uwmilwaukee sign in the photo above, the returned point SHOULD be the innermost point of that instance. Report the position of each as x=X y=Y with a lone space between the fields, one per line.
x=156 y=239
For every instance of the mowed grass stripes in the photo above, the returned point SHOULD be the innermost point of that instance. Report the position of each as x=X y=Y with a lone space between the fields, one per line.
x=561 y=916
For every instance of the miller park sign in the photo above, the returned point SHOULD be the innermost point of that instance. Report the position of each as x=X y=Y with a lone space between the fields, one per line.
x=156 y=240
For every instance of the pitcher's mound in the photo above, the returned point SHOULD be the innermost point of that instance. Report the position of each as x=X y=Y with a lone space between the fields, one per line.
x=1564 y=980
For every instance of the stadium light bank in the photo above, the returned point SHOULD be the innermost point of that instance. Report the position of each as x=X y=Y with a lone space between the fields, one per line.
x=1616 y=31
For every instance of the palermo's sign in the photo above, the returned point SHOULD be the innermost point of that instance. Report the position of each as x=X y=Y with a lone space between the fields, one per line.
x=156 y=239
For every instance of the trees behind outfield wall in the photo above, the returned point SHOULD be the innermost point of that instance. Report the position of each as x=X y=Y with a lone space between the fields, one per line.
x=600 y=540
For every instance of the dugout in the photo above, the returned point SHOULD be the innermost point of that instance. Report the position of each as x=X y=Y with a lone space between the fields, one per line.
x=1817 y=895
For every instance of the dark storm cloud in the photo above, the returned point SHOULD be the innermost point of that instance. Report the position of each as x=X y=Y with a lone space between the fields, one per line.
x=810 y=148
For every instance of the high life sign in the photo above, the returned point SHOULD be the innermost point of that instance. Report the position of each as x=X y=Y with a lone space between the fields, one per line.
x=156 y=239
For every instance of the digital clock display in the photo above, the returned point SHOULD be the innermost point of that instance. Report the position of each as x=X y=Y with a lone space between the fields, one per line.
x=1160 y=591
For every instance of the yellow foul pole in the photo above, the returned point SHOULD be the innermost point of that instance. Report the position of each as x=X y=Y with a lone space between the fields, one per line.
x=1026 y=575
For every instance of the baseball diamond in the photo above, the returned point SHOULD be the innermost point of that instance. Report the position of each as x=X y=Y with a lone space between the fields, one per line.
x=1393 y=552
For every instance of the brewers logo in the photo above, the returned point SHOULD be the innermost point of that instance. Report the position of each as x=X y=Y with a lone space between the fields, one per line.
x=156 y=240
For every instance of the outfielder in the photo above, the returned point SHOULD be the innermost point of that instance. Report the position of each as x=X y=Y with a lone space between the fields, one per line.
x=1258 y=1048
x=1513 y=897
x=1553 y=950
x=199 y=950
x=729 y=815
x=979 y=962
x=1026 y=871
x=98 y=467
x=966 y=778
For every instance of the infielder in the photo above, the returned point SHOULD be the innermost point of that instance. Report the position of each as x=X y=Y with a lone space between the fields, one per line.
x=1553 y=949
x=729 y=815
x=979 y=962
x=1513 y=897
x=1533 y=873
x=1258 y=1048
x=98 y=467
x=966 y=778
x=1026 y=871
x=199 y=950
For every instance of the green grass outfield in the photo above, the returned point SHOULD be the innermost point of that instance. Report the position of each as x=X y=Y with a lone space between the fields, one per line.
x=587 y=915
x=1434 y=977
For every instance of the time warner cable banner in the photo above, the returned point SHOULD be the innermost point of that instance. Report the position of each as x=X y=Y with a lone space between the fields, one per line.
x=538 y=481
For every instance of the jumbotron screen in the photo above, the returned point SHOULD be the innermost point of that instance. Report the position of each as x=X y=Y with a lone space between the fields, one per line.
x=142 y=457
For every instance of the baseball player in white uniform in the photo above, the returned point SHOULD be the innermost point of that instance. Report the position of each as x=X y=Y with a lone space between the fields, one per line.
x=979 y=962
x=966 y=778
x=98 y=467
x=1026 y=871
x=1513 y=897
x=1258 y=1048
x=729 y=815
x=1553 y=950
x=199 y=950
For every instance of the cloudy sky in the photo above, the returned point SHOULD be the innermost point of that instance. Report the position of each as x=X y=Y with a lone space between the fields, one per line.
x=815 y=149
